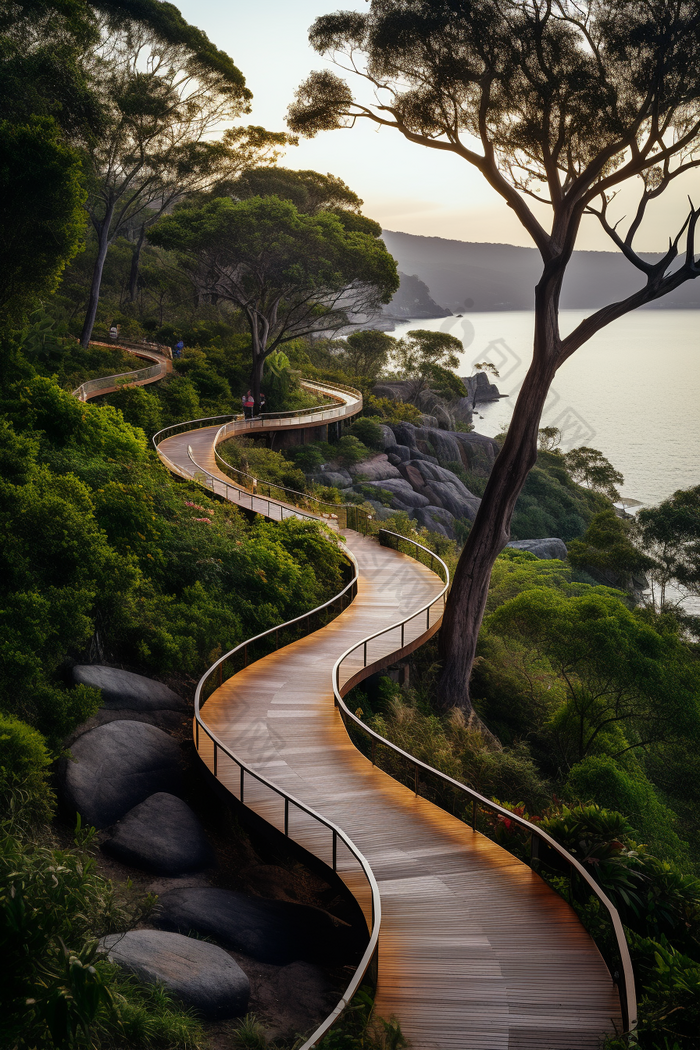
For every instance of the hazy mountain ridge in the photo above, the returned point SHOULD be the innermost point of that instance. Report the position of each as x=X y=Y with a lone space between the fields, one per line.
x=468 y=275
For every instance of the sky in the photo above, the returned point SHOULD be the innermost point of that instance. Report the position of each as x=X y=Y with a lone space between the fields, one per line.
x=405 y=187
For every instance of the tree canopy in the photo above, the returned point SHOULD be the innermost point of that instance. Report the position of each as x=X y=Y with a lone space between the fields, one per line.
x=291 y=273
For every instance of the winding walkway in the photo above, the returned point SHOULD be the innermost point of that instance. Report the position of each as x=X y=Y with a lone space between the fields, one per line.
x=476 y=952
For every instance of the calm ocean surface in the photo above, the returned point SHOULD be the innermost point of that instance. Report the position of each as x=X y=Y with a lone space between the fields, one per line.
x=633 y=391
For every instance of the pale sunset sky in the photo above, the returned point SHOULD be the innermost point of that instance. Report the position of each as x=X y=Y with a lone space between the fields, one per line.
x=405 y=187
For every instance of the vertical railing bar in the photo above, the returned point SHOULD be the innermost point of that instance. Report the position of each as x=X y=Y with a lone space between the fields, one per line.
x=242 y=780
x=286 y=816
x=335 y=850
x=216 y=755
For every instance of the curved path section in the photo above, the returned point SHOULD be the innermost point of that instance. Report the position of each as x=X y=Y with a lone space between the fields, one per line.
x=160 y=365
x=475 y=950
x=192 y=453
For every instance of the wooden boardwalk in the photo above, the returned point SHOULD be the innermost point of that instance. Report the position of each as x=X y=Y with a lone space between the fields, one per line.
x=476 y=952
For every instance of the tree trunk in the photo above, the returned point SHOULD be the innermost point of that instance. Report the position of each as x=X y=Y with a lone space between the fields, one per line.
x=256 y=381
x=491 y=529
x=135 y=261
x=93 y=301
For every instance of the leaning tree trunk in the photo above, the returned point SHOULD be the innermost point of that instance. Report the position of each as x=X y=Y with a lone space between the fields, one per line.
x=93 y=301
x=491 y=529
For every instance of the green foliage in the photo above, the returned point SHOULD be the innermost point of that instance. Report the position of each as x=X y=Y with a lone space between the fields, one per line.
x=392 y=411
x=606 y=546
x=24 y=772
x=626 y=684
x=349 y=450
x=262 y=463
x=366 y=353
x=41 y=213
x=589 y=467
x=599 y=777
x=58 y=991
x=360 y=1029
x=369 y=432
x=669 y=535
x=292 y=270
x=552 y=504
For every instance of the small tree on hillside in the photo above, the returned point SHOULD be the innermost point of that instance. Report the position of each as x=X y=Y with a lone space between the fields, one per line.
x=291 y=274
x=423 y=357
x=554 y=102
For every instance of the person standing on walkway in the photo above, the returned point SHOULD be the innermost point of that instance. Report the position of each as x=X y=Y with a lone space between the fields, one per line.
x=248 y=403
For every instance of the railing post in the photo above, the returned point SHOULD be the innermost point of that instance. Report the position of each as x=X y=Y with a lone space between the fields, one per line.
x=534 y=849
x=365 y=654
x=221 y=674
x=245 y=655
x=374 y=751
x=415 y=779
x=216 y=754
x=427 y=618
x=474 y=815
x=335 y=850
x=196 y=734
x=403 y=624
x=242 y=778
x=286 y=817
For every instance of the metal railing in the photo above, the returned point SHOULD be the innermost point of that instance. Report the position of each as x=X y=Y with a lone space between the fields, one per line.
x=104 y=384
x=349 y=516
x=251 y=788
x=365 y=657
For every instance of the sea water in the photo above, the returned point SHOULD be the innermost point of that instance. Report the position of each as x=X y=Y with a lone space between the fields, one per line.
x=632 y=391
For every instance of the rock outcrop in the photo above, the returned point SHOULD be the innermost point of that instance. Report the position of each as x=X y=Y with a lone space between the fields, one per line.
x=161 y=835
x=416 y=474
x=116 y=766
x=200 y=975
x=125 y=690
x=552 y=547
x=272 y=931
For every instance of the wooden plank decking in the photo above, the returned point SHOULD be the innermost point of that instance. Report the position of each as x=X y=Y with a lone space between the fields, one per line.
x=476 y=952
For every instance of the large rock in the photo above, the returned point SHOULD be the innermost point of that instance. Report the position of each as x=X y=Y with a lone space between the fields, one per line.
x=125 y=690
x=399 y=454
x=548 y=548
x=388 y=438
x=272 y=931
x=200 y=975
x=437 y=519
x=161 y=835
x=116 y=766
x=481 y=388
x=378 y=468
x=403 y=491
x=478 y=450
x=340 y=478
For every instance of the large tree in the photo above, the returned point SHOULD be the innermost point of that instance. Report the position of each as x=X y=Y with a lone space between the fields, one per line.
x=558 y=104
x=291 y=274
x=161 y=103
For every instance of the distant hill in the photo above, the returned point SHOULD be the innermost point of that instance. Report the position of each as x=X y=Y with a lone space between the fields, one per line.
x=466 y=275
x=413 y=300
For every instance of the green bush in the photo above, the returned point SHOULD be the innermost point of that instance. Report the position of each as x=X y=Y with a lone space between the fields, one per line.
x=24 y=772
x=369 y=432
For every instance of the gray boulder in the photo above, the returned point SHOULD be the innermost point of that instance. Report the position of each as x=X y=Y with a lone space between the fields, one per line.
x=161 y=835
x=548 y=548
x=399 y=454
x=200 y=975
x=116 y=766
x=478 y=451
x=125 y=690
x=378 y=468
x=271 y=931
x=388 y=437
x=403 y=492
x=437 y=519
x=481 y=388
x=340 y=478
